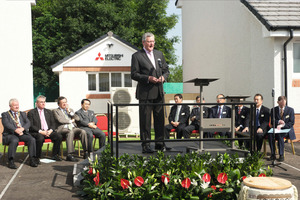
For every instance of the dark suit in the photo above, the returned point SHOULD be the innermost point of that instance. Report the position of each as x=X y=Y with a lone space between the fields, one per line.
x=263 y=119
x=195 y=123
x=225 y=113
x=147 y=92
x=62 y=128
x=12 y=139
x=183 y=121
x=242 y=121
x=35 y=127
x=289 y=120
x=87 y=117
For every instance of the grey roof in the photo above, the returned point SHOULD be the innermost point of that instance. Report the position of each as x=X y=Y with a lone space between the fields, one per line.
x=276 y=14
x=91 y=44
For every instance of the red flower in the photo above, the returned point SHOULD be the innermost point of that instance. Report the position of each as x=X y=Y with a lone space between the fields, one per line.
x=90 y=171
x=222 y=178
x=221 y=189
x=165 y=176
x=124 y=183
x=97 y=179
x=262 y=175
x=206 y=177
x=186 y=183
x=244 y=177
x=139 y=181
x=213 y=187
x=209 y=195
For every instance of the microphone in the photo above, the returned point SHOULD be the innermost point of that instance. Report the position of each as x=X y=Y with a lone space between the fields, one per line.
x=159 y=63
x=273 y=92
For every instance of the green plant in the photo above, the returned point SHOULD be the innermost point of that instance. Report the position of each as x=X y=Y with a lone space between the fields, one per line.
x=189 y=176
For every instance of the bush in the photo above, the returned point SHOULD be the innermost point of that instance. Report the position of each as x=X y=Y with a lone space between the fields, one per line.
x=189 y=176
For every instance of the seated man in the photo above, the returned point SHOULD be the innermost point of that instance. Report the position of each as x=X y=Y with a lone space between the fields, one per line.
x=66 y=126
x=195 y=117
x=220 y=111
x=43 y=126
x=16 y=128
x=284 y=119
x=261 y=122
x=178 y=118
x=242 y=122
x=88 y=123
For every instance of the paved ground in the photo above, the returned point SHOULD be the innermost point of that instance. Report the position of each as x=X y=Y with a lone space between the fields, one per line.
x=55 y=180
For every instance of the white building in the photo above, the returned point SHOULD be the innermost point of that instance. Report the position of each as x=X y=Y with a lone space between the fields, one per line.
x=242 y=43
x=92 y=72
x=16 y=76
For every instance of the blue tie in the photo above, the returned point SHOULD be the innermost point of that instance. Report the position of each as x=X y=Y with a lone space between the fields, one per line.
x=257 y=117
x=220 y=114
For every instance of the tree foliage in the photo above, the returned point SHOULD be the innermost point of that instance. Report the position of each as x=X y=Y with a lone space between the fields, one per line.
x=60 y=27
x=175 y=74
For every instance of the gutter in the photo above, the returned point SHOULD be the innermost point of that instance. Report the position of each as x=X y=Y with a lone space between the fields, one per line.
x=285 y=61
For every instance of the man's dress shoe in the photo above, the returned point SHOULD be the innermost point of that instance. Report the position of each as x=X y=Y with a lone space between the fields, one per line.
x=11 y=164
x=32 y=162
x=56 y=157
x=71 y=158
x=162 y=148
x=147 y=149
x=281 y=158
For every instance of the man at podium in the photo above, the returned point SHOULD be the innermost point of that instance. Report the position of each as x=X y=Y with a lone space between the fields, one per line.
x=284 y=119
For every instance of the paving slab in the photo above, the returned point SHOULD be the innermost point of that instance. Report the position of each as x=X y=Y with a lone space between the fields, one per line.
x=54 y=180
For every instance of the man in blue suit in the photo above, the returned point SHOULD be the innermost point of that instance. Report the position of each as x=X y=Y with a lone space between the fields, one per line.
x=220 y=111
x=262 y=118
x=284 y=119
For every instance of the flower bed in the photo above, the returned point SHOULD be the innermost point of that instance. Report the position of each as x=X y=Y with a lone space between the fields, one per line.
x=189 y=176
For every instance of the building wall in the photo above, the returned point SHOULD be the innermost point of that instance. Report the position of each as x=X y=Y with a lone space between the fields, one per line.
x=73 y=86
x=222 y=40
x=16 y=78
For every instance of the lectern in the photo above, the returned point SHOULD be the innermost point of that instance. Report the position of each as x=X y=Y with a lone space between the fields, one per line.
x=201 y=82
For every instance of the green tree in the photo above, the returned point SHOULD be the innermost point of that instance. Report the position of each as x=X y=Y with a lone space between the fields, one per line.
x=175 y=74
x=62 y=27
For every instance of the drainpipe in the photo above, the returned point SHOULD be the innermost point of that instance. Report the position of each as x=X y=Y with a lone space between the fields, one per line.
x=285 y=62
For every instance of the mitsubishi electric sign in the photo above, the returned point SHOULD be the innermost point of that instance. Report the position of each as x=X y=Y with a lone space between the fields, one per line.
x=109 y=57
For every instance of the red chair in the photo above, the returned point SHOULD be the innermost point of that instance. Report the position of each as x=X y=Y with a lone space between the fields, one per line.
x=173 y=133
x=47 y=141
x=195 y=133
x=102 y=124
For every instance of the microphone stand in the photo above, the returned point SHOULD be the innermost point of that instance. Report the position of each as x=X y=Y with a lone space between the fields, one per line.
x=163 y=100
x=273 y=161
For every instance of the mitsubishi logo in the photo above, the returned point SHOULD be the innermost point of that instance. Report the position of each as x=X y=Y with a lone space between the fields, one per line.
x=99 y=57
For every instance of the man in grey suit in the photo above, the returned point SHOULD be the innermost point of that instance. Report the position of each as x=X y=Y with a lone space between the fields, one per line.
x=66 y=126
x=88 y=122
x=16 y=128
x=150 y=70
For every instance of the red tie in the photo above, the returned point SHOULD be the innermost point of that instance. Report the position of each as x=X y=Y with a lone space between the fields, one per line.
x=239 y=111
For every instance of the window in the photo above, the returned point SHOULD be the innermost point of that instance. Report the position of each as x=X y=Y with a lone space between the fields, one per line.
x=92 y=82
x=127 y=80
x=102 y=82
x=296 y=56
x=116 y=80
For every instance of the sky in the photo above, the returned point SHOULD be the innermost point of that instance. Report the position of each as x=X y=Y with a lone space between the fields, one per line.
x=176 y=31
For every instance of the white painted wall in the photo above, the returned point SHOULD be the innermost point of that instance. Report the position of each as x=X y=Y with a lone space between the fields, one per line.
x=222 y=39
x=73 y=86
x=16 y=78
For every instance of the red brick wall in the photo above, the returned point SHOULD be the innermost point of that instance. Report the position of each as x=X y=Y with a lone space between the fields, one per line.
x=297 y=126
